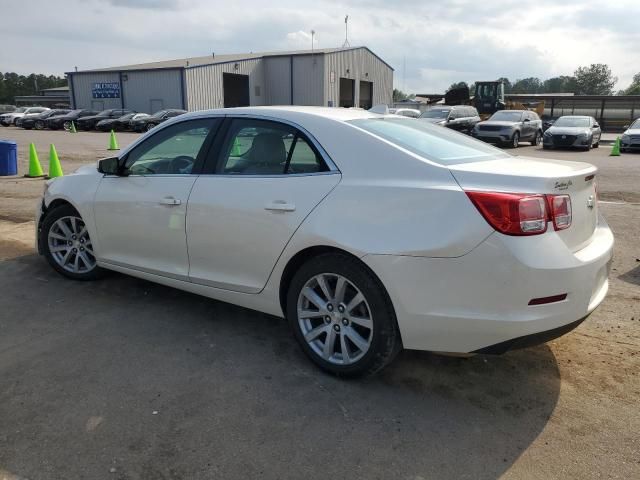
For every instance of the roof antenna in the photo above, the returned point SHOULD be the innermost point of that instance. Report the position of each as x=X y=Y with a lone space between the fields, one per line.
x=346 y=43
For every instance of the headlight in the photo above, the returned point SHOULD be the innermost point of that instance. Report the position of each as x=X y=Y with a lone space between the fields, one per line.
x=626 y=138
x=583 y=135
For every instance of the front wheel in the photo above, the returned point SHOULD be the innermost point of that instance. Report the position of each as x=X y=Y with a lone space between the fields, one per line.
x=67 y=246
x=515 y=141
x=342 y=317
x=39 y=125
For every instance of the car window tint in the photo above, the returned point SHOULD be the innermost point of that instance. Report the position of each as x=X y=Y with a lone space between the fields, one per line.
x=440 y=145
x=259 y=147
x=172 y=150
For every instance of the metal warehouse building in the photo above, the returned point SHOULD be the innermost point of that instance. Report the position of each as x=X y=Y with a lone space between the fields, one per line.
x=344 y=77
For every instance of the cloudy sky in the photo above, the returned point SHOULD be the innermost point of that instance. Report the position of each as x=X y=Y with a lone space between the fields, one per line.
x=429 y=43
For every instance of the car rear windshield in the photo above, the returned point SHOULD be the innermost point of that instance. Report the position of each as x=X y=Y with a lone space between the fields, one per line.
x=504 y=116
x=438 y=144
x=435 y=113
x=571 y=122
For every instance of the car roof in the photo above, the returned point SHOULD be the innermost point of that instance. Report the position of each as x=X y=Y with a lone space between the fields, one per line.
x=575 y=116
x=290 y=112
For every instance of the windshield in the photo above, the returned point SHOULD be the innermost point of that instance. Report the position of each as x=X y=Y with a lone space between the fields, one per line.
x=434 y=143
x=571 y=122
x=506 y=116
x=19 y=110
x=436 y=113
x=159 y=114
x=104 y=113
x=636 y=124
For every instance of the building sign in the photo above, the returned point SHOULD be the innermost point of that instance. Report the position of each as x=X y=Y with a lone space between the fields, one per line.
x=106 y=90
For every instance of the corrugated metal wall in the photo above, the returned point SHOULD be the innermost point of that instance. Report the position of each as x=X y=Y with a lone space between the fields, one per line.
x=82 y=85
x=356 y=64
x=308 y=80
x=204 y=84
x=149 y=90
x=277 y=76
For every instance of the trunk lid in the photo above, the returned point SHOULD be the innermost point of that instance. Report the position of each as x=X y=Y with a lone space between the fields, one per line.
x=532 y=175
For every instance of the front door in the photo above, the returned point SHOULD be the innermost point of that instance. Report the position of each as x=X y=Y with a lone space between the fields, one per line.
x=140 y=218
x=243 y=210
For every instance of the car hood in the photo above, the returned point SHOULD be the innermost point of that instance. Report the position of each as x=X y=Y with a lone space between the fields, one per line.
x=632 y=131
x=568 y=130
x=498 y=123
x=106 y=120
x=91 y=169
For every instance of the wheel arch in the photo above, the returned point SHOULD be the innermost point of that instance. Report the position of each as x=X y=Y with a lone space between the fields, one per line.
x=303 y=256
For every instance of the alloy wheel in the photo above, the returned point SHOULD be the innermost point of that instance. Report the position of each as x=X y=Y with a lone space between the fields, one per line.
x=70 y=245
x=335 y=319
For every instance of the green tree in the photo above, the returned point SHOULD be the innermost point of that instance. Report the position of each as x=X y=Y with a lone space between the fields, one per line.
x=561 y=84
x=12 y=85
x=634 y=88
x=595 y=79
x=399 y=95
x=457 y=85
x=527 y=85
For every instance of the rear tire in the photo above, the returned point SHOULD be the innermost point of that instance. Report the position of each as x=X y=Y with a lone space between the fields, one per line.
x=364 y=326
x=66 y=244
x=39 y=125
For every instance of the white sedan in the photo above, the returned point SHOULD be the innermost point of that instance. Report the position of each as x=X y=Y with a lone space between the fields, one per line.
x=369 y=233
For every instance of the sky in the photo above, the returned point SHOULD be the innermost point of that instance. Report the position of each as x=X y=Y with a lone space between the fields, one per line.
x=430 y=44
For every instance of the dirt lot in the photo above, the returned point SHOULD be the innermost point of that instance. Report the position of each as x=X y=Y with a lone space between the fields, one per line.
x=125 y=379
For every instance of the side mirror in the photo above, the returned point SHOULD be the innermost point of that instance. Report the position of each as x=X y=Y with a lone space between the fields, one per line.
x=109 y=166
x=526 y=120
x=595 y=125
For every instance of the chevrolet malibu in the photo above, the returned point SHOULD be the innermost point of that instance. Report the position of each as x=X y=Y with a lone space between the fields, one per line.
x=369 y=233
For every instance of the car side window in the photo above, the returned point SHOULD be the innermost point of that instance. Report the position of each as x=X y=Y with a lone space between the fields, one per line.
x=261 y=147
x=172 y=150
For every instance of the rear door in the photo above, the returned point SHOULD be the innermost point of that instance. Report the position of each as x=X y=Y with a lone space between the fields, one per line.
x=264 y=178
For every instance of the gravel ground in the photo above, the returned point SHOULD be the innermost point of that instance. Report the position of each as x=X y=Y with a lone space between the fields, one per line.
x=125 y=379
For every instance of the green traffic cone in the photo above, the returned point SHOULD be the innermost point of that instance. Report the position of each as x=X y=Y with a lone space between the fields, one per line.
x=615 y=151
x=73 y=128
x=235 y=149
x=113 y=143
x=35 y=170
x=55 y=169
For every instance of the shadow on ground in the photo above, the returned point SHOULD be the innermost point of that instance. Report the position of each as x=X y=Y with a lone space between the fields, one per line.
x=147 y=382
x=632 y=276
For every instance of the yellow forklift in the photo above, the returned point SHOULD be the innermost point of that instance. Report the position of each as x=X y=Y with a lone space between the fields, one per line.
x=489 y=98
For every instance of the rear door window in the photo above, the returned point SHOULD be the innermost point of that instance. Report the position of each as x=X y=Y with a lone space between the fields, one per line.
x=261 y=147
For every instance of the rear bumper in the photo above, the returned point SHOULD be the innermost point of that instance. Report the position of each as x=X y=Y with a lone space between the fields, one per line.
x=480 y=301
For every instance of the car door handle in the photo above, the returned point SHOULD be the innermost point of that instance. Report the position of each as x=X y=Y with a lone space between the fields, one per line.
x=170 y=201
x=280 y=206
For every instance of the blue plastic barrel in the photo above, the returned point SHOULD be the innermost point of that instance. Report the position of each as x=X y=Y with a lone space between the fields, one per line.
x=8 y=158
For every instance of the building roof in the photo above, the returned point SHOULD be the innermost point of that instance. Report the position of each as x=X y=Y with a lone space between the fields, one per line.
x=215 y=59
x=57 y=89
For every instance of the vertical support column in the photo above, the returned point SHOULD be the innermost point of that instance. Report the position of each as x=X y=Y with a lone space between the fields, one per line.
x=602 y=115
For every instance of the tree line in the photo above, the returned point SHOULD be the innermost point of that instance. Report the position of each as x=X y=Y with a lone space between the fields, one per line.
x=596 y=79
x=12 y=85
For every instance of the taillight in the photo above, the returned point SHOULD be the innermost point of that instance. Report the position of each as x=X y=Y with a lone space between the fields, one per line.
x=512 y=213
x=523 y=213
x=560 y=210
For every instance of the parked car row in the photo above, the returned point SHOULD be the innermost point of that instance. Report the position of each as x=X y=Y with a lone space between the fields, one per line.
x=84 y=119
x=510 y=127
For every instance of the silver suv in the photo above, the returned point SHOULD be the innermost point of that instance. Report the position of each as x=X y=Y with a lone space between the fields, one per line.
x=510 y=127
